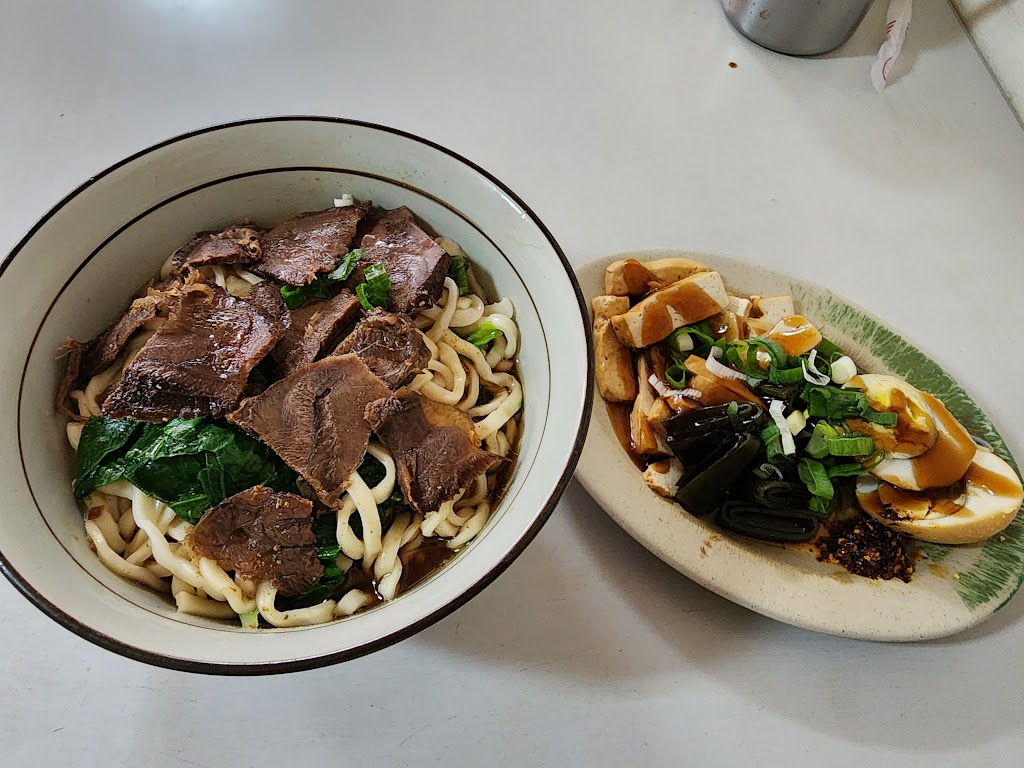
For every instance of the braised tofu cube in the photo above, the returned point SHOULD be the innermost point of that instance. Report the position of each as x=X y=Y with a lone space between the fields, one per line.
x=606 y=307
x=613 y=362
x=686 y=301
x=629 y=277
x=663 y=476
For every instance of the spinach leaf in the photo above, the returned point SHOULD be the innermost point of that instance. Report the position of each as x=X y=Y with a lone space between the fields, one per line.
x=101 y=450
x=329 y=587
x=371 y=470
x=325 y=529
x=189 y=464
x=296 y=295
x=333 y=580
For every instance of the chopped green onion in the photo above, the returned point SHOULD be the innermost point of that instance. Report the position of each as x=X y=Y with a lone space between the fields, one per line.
x=796 y=422
x=374 y=292
x=775 y=410
x=771 y=436
x=843 y=369
x=680 y=341
x=742 y=355
x=815 y=477
x=734 y=355
x=675 y=375
x=778 y=355
x=819 y=505
x=785 y=375
x=483 y=334
x=817 y=446
x=873 y=460
x=457 y=270
x=851 y=445
x=812 y=370
x=883 y=418
x=846 y=469
x=834 y=404
x=828 y=351
x=250 y=620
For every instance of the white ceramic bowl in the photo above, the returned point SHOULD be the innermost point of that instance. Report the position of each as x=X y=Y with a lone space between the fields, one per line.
x=77 y=268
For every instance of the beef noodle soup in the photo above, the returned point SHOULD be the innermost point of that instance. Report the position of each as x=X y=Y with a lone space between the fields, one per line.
x=288 y=426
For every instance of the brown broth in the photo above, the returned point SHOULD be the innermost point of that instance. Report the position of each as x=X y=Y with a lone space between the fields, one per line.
x=361 y=579
x=433 y=553
x=419 y=563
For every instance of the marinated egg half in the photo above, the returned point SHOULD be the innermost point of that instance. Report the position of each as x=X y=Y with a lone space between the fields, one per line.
x=935 y=483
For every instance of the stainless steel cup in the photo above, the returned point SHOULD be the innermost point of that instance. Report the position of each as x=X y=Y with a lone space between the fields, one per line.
x=797 y=27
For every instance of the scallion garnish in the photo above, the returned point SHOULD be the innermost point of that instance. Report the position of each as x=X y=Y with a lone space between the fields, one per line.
x=833 y=404
x=851 y=445
x=691 y=338
x=815 y=477
x=785 y=375
x=821 y=506
x=742 y=355
x=846 y=469
x=374 y=292
x=771 y=436
x=882 y=418
x=457 y=270
x=675 y=375
x=828 y=351
x=483 y=334
x=778 y=355
x=817 y=446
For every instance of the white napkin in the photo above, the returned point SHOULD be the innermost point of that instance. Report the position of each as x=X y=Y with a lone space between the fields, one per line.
x=897 y=21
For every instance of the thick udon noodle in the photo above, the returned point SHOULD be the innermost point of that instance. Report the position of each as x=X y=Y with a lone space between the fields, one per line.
x=140 y=538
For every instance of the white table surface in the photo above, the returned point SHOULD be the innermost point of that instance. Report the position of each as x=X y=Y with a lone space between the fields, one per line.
x=624 y=127
x=997 y=27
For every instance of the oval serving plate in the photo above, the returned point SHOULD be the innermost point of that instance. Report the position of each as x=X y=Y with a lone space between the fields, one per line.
x=953 y=588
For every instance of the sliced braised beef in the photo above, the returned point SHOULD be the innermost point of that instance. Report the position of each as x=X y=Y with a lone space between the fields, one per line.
x=73 y=350
x=415 y=264
x=235 y=245
x=266 y=297
x=436 y=452
x=390 y=345
x=198 y=362
x=262 y=536
x=314 y=420
x=298 y=250
x=314 y=333
x=104 y=349
x=298 y=320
